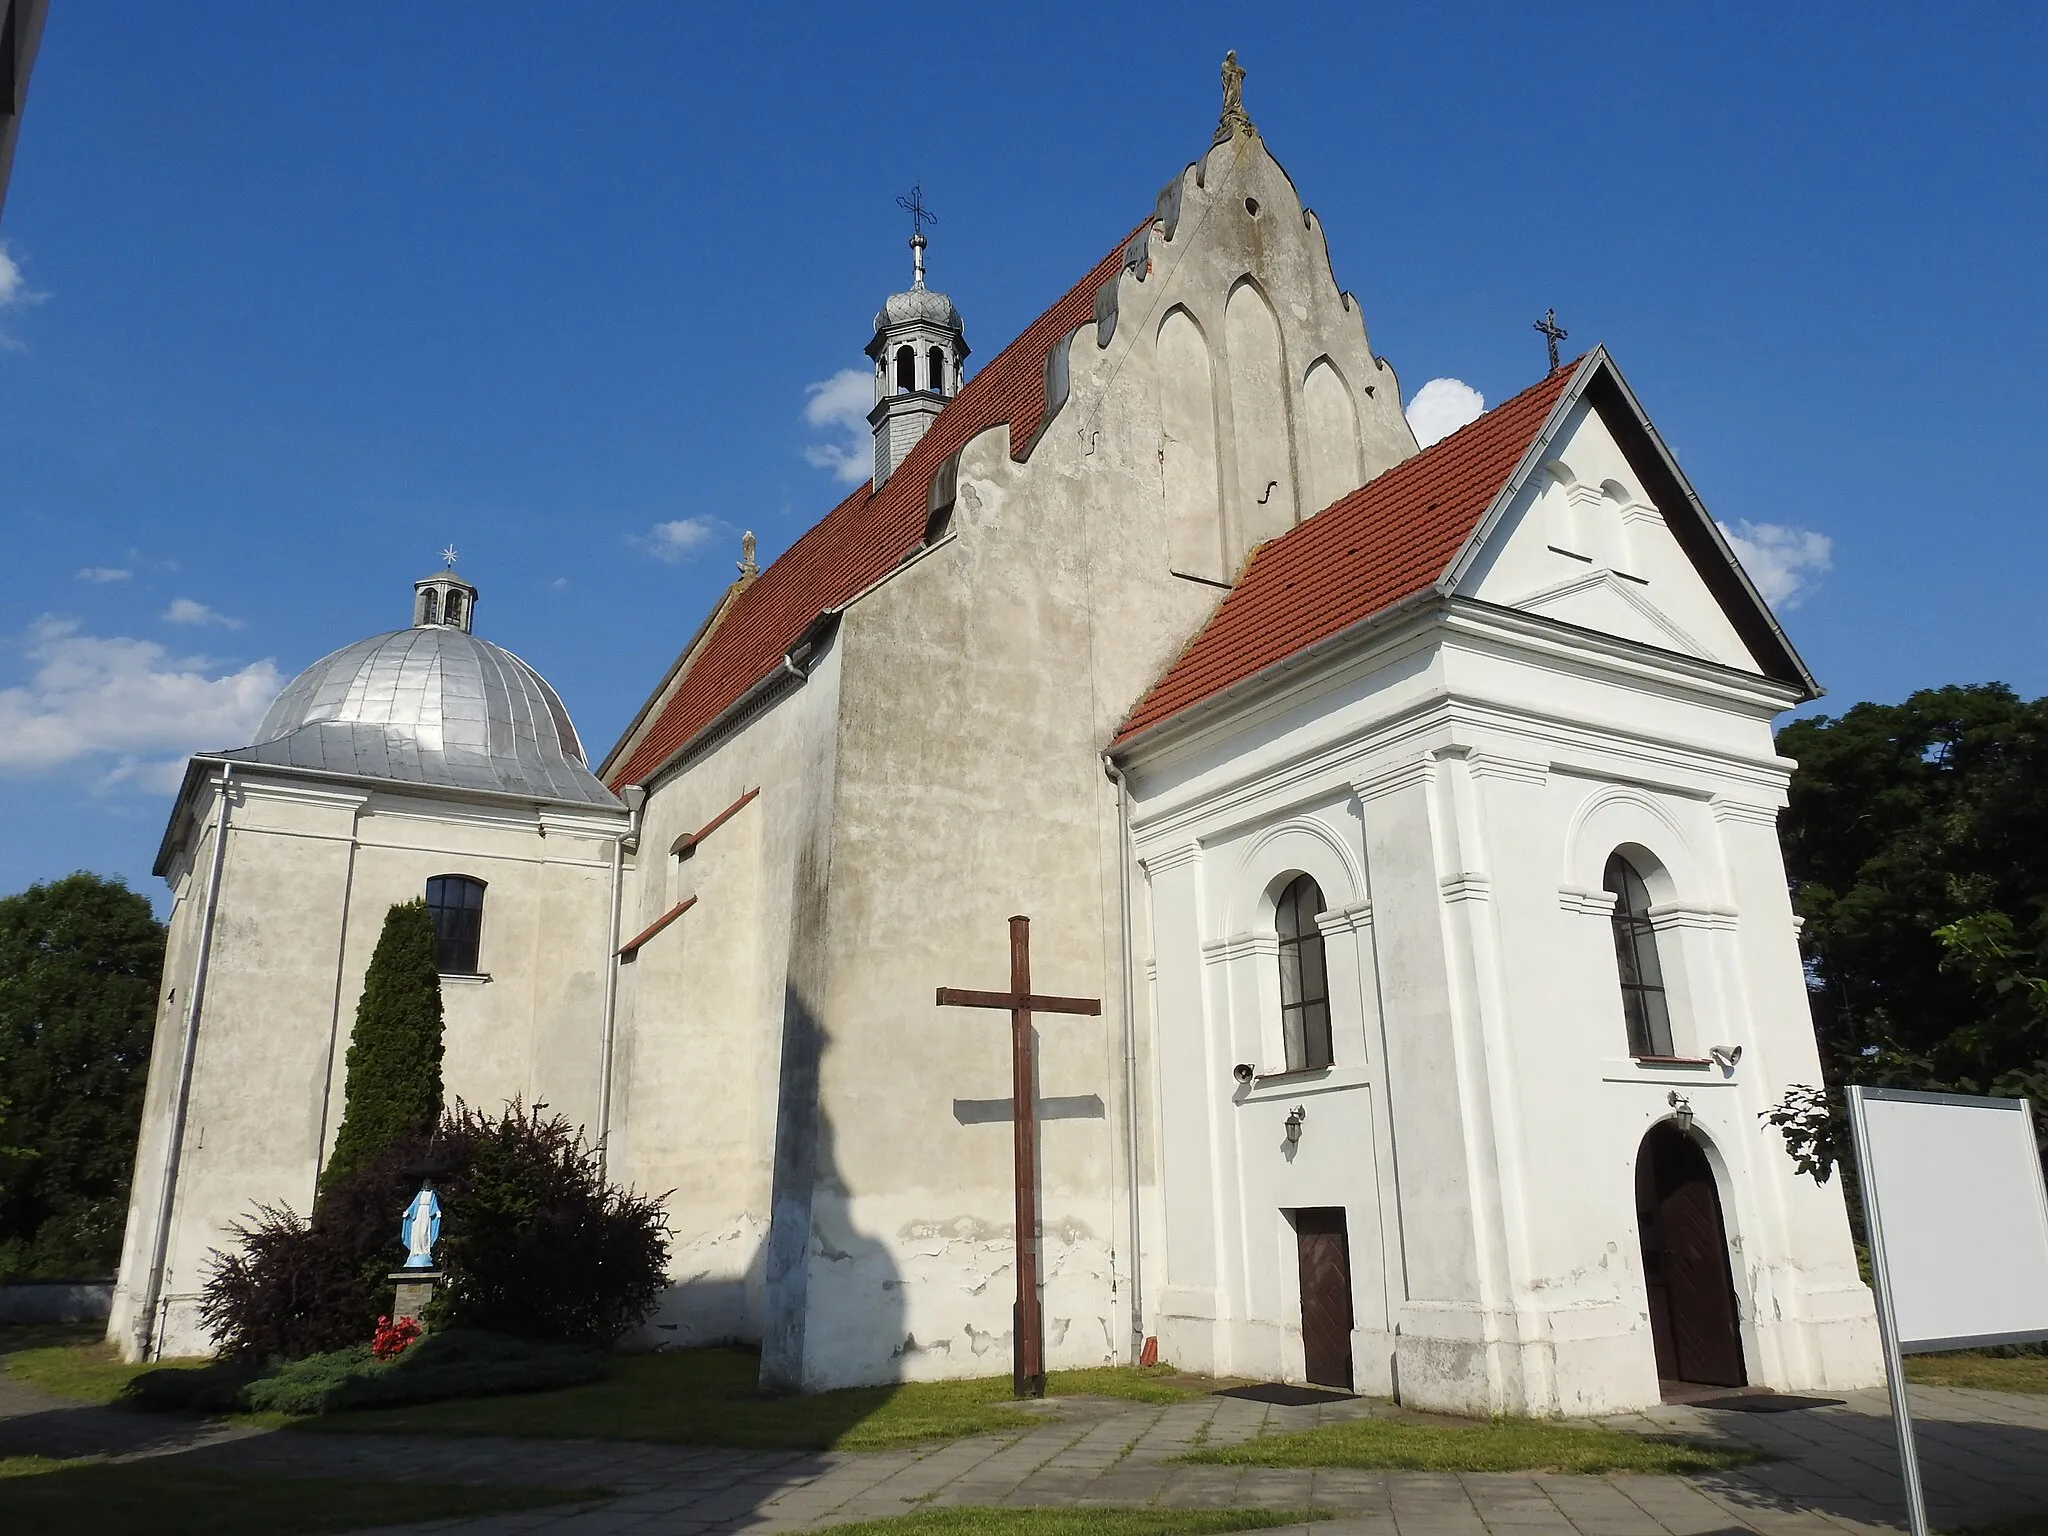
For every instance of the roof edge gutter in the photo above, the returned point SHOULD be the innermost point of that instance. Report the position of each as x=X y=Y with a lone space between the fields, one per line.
x=794 y=669
x=1121 y=748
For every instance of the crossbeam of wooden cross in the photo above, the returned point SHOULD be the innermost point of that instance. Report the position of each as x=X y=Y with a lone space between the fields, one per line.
x=1028 y=1371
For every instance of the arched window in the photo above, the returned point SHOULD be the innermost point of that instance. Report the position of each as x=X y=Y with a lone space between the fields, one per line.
x=1643 y=1004
x=1304 y=980
x=935 y=362
x=451 y=611
x=906 y=370
x=430 y=607
x=456 y=904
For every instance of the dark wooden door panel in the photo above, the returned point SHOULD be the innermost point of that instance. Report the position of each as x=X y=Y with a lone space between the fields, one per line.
x=1693 y=1317
x=1325 y=1257
x=1704 y=1329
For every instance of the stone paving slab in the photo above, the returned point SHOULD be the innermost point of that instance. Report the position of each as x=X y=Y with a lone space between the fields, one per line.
x=1985 y=1455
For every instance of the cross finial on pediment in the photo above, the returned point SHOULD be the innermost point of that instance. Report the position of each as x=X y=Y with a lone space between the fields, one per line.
x=1553 y=333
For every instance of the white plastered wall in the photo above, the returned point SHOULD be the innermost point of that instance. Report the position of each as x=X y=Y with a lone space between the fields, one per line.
x=310 y=869
x=1477 y=777
x=959 y=781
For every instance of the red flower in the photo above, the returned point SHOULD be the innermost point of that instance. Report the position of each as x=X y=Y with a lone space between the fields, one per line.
x=392 y=1338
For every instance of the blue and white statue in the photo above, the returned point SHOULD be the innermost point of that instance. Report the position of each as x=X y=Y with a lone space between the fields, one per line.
x=421 y=1229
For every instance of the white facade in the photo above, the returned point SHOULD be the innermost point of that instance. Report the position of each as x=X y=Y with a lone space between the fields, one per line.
x=1455 y=784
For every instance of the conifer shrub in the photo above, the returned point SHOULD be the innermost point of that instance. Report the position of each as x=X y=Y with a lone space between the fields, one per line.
x=457 y=1363
x=534 y=1245
x=393 y=1087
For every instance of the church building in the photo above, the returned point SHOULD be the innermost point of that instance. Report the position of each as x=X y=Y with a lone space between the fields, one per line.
x=1410 y=815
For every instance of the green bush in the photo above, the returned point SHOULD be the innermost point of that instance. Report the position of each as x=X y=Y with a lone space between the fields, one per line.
x=534 y=1244
x=458 y=1363
x=393 y=1087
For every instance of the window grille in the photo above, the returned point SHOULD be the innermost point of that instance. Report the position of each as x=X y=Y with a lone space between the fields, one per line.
x=456 y=904
x=1643 y=1003
x=1304 y=978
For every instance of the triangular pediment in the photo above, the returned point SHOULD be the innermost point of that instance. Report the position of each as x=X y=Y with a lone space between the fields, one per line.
x=1615 y=605
x=1598 y=528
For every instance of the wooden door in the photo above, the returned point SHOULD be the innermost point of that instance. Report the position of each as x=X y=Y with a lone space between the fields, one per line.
x=1693 y=1317
x=1325 y=1251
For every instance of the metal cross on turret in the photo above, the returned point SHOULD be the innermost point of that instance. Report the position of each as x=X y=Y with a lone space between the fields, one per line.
x=919 y=217
x=448 y=557
x=1553 y=333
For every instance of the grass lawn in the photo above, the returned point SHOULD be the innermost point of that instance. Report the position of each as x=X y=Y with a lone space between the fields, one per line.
x=1075 y=1522
x=1502 y=1445
x=710 y=1397
x=91 y=1371
x=1987 y=1373
x=157 y=1498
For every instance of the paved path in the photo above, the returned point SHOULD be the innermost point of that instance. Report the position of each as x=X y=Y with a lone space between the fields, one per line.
x=1984 y=1455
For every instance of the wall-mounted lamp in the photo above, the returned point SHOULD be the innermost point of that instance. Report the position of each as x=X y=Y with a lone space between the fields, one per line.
x=1681 y=1108
x=1294 y=1118
x=1725 y=1056
x=1244 y=1071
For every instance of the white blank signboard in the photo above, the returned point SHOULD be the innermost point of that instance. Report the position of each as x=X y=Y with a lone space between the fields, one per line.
x=1962 y=1213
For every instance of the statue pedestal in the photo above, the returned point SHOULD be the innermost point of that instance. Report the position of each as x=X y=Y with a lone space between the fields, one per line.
x=415 y=1290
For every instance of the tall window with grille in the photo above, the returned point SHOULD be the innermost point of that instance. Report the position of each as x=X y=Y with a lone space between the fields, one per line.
x=1643 y=1003
x=456 y=904
x=1304 y=979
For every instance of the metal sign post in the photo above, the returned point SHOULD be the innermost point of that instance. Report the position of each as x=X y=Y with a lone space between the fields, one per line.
x=1887 y=1323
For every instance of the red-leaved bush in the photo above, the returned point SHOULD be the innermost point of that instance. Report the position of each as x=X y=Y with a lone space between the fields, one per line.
x=533 y=1244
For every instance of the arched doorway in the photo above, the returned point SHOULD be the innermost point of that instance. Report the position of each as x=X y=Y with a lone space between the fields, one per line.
x=1685 y=1262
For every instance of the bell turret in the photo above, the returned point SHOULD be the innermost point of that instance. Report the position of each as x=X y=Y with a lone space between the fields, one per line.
x=919 y=351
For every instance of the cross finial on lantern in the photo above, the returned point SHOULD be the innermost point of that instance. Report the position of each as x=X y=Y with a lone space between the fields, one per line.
x=919 y=217
x=448 y=557
x=1552 y=333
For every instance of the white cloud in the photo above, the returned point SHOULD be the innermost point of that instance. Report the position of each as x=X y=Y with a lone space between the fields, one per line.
x=15 y=293
x=841 y=404
x=185 y=610
x=673 y=541
x=104 y=573
x=1781 y=561
x=14 y=287
x=130 y=698
x=1442 y=406
x=158 y=775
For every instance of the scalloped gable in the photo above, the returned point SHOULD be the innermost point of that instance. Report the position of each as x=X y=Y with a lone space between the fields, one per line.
x=868 y=534
x=1387 y=541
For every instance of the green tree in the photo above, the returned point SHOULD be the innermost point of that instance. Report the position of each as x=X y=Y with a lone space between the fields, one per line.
x=1917 y=844
x=394 y=1053
x=81 y=960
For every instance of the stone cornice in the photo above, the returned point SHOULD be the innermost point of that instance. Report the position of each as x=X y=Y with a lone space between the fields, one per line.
x=1238 y=945
x=1346 y=919
x=1576 y=898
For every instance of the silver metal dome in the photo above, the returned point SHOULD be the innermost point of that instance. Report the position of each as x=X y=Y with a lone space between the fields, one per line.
x=917 y=304
x=429 y=705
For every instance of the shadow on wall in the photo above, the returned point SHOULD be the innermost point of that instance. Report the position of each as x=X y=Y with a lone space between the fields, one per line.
x=822 y=1301
x=833 y=1303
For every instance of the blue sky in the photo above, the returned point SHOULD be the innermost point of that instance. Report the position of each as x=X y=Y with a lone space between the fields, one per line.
x=295 y=295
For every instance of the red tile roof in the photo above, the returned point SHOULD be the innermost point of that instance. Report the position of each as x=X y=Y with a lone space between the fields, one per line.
x=1387 y=540
x=863 y=538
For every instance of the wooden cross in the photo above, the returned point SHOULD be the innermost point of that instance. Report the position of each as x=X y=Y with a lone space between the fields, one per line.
x=1028 y=1374
x=1553 y=333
